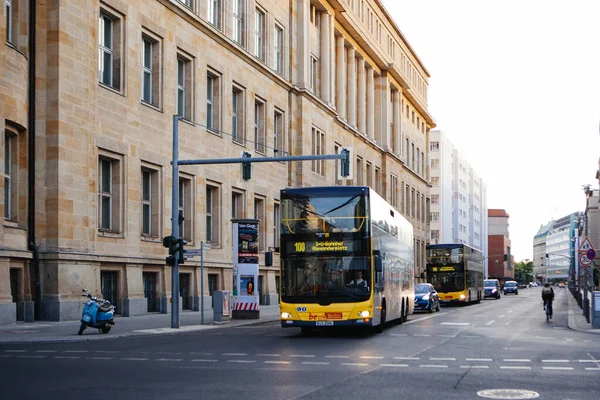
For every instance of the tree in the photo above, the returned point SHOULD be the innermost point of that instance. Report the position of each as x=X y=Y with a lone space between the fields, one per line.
x=524 y=271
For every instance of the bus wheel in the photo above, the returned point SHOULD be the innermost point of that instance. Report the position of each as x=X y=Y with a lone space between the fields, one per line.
x=401 y=319
x=381 y=327
x=405 y=312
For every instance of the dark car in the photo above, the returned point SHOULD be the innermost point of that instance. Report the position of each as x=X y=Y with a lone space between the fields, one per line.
x=511 y=287
x=426 y=298
x=491 y=288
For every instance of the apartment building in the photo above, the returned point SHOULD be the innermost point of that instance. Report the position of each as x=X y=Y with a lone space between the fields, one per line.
x=458 y=196
x=87 y=183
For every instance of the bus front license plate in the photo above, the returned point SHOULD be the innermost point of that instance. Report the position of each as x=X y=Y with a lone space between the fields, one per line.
x=324 y=323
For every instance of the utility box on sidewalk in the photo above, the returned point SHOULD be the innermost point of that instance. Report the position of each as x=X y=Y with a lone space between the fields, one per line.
x=221 y=313
x=595 y=317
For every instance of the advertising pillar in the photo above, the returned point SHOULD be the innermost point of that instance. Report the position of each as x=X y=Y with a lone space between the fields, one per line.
x=245 y=269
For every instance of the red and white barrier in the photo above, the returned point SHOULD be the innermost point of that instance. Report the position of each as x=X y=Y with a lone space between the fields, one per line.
x=245 y=306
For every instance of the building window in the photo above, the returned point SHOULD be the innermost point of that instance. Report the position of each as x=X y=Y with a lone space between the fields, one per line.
x=359 y=171
x=278 y=132
x=237 y=204
x=10 y=175
x=186 y=204
x=109 y=50
x=212 y=214
x=412 y=165
x=394 y=190
x=109 y=193
x=184 y=87
x=435 y=181
x=278 y=50
x=407 y=152
x=260 y=35
x=188 y=3
x=369 y=174
x=259 y=126
x=9 y=20
x=418 y=163
x=237 y=115
x=276 y=226
x=435 y=164
x=214 y=13
x=314 y=74
x=378 y=180
x=212 y=102
x=435 y=199
x=259 y=214
x=150 y=199
x=238 y=21
x=434 y=146
x=318 y=149
x=150 y=70
x=435 y=234
x=407 y=200
x=435 y=217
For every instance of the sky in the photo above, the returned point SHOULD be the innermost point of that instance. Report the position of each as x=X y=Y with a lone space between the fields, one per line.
x=515 y=86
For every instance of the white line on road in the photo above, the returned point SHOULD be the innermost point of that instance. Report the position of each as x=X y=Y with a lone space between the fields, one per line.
x=406 y=358
x=559 y=368
x=371 y=357
x=592 y=361
x=32 y=356
x=513 y=367
x=169 y=359
x=200 y=354
x=516 y=360
x=46 y=351
x=315 y=363
x=242 y=361
x=475 y=366
x=268 y=355
x=479 y=359
x=164 y=352
x=491 y=322
x=15 y=351
x=99 y=358
x=501 y=315
x=543 y=337
x=592 y=369
x=421 y=335
x=442 y=359
x=277 y=362
x=556 y=361
x=337 y=356
x=302 y=355
x=432 y=366
x=235 y=354
x=67 y=357
x=76 y=351
x=394 y=365
x=134 y=359
x=450 y=336
x=357 y=364
x=398 y=334
x=203 y=360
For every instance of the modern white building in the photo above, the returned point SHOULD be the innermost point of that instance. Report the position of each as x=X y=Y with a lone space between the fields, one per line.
x=561 y=248
x=539 y=252
x=458 y=196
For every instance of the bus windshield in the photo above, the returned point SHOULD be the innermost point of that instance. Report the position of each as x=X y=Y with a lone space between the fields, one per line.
x=448 y=281
x=443 y=256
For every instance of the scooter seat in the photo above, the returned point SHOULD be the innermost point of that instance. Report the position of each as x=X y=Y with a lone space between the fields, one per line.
x=104 y=308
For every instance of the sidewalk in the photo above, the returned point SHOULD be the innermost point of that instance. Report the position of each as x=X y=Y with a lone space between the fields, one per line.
x=151 y=324
x=577 y=320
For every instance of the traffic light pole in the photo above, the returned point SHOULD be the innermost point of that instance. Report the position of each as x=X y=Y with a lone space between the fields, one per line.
x=175 y=224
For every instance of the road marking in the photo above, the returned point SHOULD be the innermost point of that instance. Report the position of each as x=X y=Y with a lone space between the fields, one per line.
x=442 y=359
x=398 y=334
x=315 y=363
x=501 y=315
x=302 y=355
x=469 y=336
x=6 y=355
x=394 y=365
x=76 y=351
x=543 y=337
x=67 y=357
x=337 y=356
x=46 y=351
x=450 y=336
x=357 y=364
x=99 y=358
x=516 y=360
x=406 y=358
x=513 y=367
x=165 y=352
x=593 y=361
x=200 y=354
x=169 y=359
x=371 y=358
x=456 y=323
x=277 y=362
x=555 y=361
x=569 y=340
x=15 y=351
x=475 y=366
x=204 y=360
x=32 y=356
x=592 y=369
x=421 y=335
x=479 y=359
x=268 y=355
x=491 y=322
x=235 y=354
x=134 y=359
x=432 y=366
x=242 y=361
x=559 y=368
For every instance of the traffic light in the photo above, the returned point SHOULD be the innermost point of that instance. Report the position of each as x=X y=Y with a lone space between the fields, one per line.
x=345 y=164
x=171 y=243
x=246 y=167
x=181 y=250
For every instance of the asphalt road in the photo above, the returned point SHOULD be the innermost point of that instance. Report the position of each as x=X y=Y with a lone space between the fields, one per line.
x=454 y=354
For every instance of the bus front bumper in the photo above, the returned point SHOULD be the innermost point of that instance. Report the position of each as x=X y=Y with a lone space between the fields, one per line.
x=288 y=323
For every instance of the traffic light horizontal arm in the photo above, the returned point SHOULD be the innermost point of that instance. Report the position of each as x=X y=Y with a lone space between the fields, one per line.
x=341 y=156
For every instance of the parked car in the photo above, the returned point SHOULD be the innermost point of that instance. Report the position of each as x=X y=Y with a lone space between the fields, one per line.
x=426 y=298
x=510 y=287
x=491 y=288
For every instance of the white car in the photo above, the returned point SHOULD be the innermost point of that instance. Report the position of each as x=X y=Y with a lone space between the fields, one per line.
x=533 y=284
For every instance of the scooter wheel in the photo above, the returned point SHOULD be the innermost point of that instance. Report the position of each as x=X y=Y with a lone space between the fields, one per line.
x=105 y=329
x=81 y=329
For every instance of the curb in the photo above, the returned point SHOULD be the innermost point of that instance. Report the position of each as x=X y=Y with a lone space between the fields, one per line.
x=139 y=332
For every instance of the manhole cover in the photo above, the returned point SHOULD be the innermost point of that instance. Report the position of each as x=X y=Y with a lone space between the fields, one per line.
x=508 y=394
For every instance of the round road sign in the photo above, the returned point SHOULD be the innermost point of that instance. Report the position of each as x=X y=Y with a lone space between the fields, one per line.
x=584 y=260
x=591 y=254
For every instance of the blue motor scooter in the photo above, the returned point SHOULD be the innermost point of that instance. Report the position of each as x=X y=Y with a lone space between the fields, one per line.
x=97 y=314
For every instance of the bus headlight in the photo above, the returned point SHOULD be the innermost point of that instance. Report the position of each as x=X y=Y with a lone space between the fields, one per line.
x=364 y=314
x=286 y=315
x=462 y=297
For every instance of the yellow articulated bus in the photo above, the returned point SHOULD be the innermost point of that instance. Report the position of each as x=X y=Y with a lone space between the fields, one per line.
x=346 y=259
x=456 y=272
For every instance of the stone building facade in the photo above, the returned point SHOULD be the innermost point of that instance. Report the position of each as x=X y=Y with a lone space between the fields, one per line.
x=88 y=93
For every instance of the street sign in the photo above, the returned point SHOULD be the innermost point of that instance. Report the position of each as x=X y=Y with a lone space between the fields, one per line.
x=591 y=253
x=585 y=245
x=584 y=260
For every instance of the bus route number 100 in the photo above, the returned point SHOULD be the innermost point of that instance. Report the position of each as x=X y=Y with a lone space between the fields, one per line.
x=300 y=247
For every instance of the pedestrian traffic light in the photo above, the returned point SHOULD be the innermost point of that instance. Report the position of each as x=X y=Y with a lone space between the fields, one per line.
x=246 y=167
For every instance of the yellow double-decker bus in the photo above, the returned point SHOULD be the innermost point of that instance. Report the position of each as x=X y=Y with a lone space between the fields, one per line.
x=346 y=259
x=456 y=272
